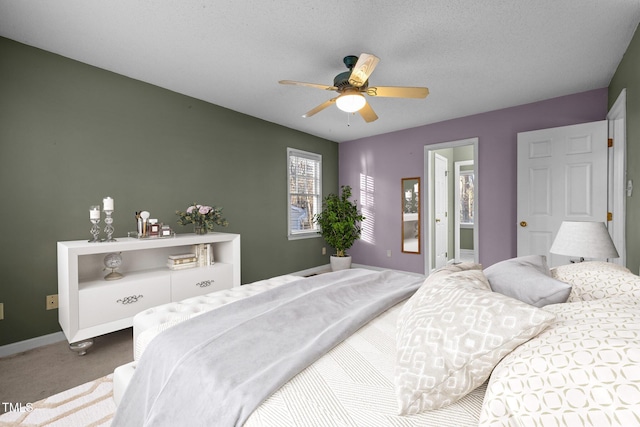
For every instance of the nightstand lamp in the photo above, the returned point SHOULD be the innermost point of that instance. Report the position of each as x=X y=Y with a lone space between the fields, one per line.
x=584 y=239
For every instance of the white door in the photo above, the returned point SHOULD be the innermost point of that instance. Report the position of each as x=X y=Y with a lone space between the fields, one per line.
x=440 y=203
x=562 y=175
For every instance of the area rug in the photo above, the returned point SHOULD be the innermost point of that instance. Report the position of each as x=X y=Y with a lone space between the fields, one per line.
x=87 y=405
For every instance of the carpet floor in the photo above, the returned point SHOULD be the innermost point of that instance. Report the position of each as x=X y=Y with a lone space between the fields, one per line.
x=87 y=405
x=44 y=372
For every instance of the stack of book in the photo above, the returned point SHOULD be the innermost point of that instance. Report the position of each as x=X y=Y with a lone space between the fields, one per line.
x=182 y=261
x=204 y=253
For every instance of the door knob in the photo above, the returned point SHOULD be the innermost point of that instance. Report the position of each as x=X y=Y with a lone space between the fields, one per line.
x=523 y=223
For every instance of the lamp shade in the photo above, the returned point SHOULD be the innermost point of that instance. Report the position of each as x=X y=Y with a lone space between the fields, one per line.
x=585 y=239
x=350 y=102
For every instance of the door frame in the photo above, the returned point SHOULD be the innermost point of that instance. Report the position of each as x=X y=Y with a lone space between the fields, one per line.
x=440 y=206
x=428 y=219
x=618 y=176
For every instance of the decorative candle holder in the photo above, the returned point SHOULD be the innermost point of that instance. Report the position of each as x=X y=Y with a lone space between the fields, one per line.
x=94 y=217
x=95 y=231
x=109 y=228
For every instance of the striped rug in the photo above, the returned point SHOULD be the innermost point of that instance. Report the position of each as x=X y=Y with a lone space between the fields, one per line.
x=89 y=404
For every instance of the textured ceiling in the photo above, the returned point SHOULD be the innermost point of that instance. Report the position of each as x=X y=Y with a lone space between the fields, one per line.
x=474 y=56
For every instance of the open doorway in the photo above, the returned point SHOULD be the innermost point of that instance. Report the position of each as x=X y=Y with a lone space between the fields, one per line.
x=451 y=220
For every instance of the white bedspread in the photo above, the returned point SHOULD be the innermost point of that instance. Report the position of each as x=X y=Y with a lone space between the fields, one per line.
x=352 y=385
x=596 y=343
x=217 y=368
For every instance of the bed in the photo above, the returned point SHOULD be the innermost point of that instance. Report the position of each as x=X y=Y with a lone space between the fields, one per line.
x=514 y=344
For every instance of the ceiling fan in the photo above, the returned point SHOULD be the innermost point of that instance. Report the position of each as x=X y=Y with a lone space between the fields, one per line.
x=352 y=84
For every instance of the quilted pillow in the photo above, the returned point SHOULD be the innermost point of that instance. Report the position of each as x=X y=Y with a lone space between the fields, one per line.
x=527 y=279
x=584 y=370
x=450 y=335
x=592 y=280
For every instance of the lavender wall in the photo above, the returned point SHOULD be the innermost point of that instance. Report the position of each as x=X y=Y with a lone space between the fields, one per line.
x=374 y=166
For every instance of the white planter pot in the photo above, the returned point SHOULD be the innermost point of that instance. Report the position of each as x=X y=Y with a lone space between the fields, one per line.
x=340 y=263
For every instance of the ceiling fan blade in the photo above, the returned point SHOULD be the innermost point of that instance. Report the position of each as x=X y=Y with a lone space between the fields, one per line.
x=319 y=107
x=367 y=113
x=398 y=92
x=363 y=69
x=314 y=85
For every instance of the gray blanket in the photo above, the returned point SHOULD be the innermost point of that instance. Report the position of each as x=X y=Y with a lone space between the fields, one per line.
x=217 y=368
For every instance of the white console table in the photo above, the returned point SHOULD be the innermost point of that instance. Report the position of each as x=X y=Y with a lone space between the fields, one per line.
x=89 y=305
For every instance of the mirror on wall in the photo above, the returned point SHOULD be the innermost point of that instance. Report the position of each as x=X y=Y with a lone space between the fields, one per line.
x=411 y=215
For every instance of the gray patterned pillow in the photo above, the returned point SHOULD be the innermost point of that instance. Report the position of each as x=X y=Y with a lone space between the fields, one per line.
x=450 y=335
x=527 y=279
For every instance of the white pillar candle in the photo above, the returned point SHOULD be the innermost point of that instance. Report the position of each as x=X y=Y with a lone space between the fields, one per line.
x=94 y=212
x=108 y=204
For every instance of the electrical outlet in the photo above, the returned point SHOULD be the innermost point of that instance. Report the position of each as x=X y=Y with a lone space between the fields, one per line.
x=324 y=251
x=1 y=310
x=389 y=253
x=52 y=302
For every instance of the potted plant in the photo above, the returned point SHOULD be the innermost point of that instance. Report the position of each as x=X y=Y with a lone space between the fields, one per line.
x=203 y=218
x=339 y=224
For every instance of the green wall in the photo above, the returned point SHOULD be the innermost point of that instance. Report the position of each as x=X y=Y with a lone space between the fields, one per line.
x=628 y=76
x=466 y=238
x=71 y=134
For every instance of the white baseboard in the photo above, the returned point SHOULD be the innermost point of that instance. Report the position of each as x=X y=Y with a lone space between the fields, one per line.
x=20 y=346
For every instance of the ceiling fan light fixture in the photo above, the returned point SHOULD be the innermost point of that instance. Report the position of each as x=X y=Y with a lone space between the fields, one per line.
x=352 y=84
x=350 y=102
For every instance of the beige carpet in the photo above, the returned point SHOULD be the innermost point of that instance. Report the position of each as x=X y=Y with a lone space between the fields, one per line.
x=45 y=371
x=89 y=404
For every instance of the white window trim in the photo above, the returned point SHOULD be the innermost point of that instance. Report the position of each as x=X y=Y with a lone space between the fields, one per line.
x=312 y=156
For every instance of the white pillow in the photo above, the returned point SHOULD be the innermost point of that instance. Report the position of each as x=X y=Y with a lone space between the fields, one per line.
x=450 y=335
x=584 y=370
x=452 y=268
x=527 y=279
x=594 y=280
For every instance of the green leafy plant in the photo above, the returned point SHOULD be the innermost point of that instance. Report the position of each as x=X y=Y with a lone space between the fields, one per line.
x=339 y=221
x=204 y=216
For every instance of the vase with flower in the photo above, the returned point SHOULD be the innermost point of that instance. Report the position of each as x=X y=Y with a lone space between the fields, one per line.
x=203 y=218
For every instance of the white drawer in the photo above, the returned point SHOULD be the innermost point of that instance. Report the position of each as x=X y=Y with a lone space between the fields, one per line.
x=201 y=280
x=115 y=300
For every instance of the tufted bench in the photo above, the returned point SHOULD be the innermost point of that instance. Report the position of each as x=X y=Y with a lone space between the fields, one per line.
x=149 y=323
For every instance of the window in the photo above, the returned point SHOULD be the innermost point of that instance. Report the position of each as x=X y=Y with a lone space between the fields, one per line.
x=466 y=196
x=304 y=193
